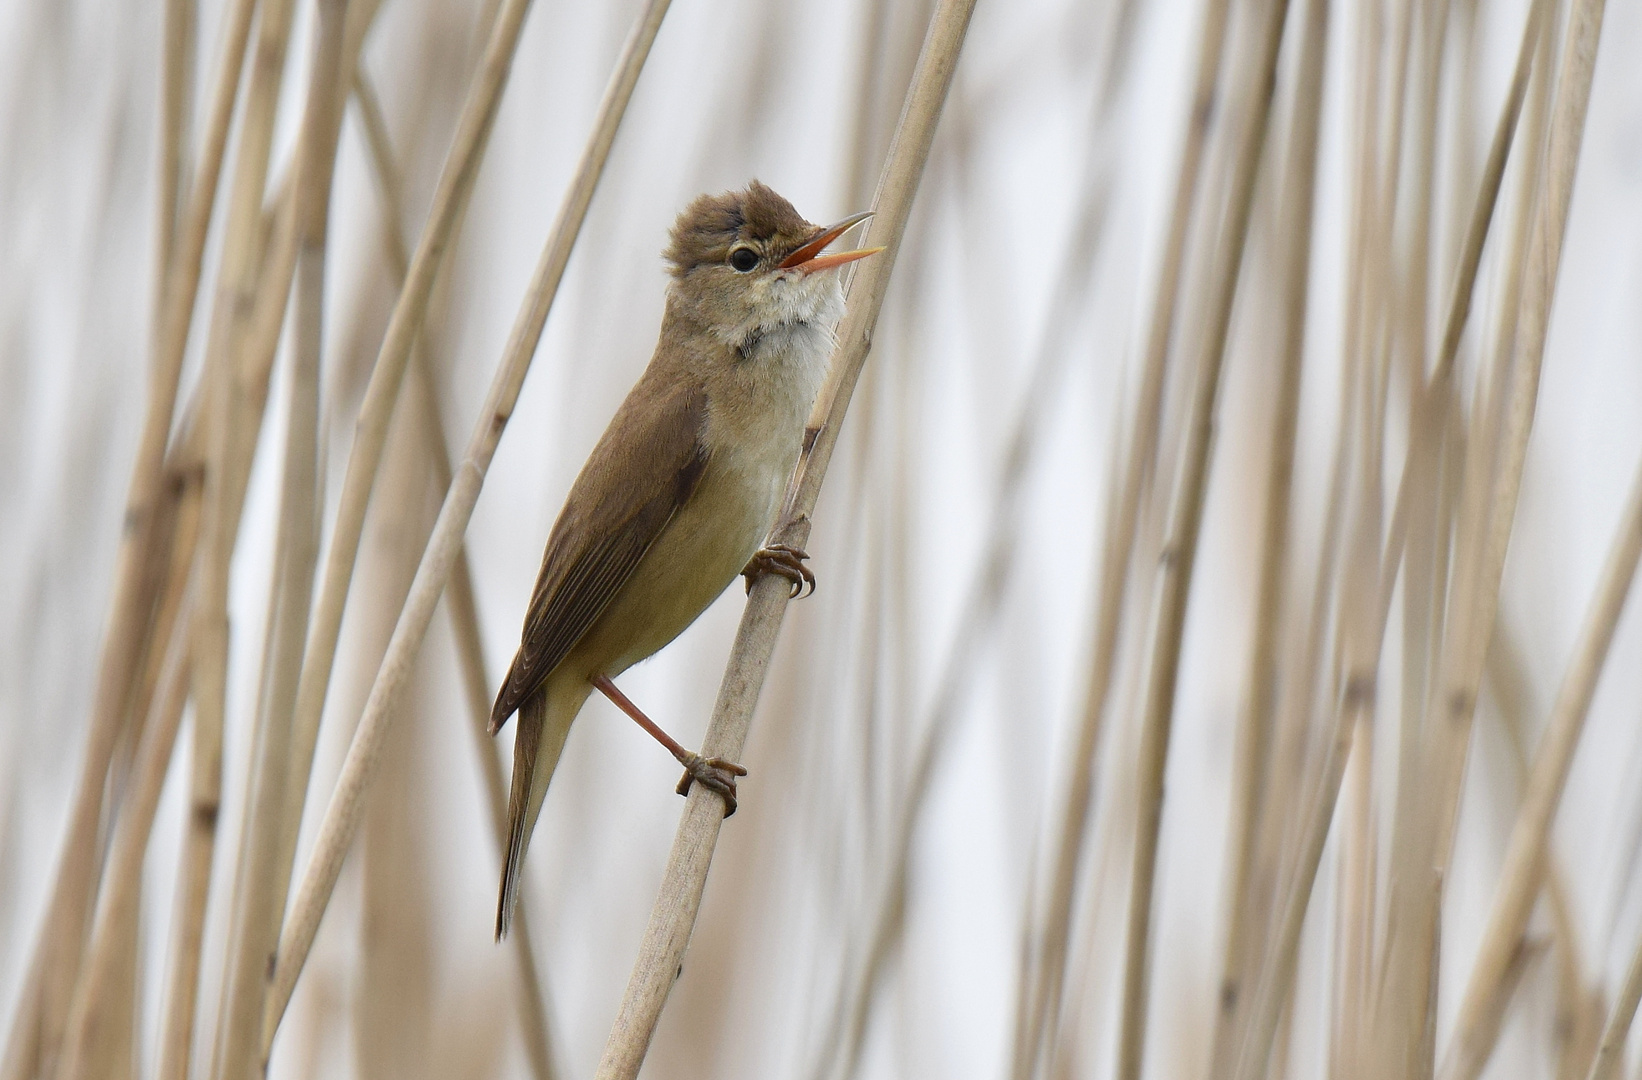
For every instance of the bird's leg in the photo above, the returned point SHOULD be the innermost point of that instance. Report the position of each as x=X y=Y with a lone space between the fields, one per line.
x=782 y=560
x=714 y=773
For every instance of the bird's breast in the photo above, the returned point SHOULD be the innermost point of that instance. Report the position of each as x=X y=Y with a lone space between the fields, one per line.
x=754 y=430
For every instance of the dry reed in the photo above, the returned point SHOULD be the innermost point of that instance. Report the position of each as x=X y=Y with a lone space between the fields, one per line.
x=1375 y=270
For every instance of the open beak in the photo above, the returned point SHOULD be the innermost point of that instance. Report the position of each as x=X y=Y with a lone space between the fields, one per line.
x=809 y=258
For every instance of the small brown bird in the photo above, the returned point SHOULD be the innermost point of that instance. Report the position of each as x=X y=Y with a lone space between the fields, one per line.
x=682 y=489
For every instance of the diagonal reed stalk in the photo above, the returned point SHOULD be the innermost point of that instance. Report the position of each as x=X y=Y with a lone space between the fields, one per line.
x=230 y=406
x=1180 y=545
x=256 y=928
x=1359 y=691
x=459 y=599
x=1610 y=1054
x=1525 y=856
x=1257 y=723
x=979 y=614
x=37 y=1029
x=983 y=600
x=455 y=187
x=342 y=816
x=90 y=1053
x=1487 y=510
x=1039 y=1004
x=1578 y=1024
x=679 y=899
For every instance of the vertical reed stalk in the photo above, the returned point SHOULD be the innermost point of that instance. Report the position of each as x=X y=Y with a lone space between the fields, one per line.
x=1525 y=856
x=978 y=614
x=256 y=934
x=1041 y=983
x=455 y=187
x=89 y=1053
x=1042 y=1008
x=1250 y=770
x=228 y=410
x=1360 y=628
x=459 y=599
x=176 y=115
x=1578 y=1024
x=1610 y=1055
x=1180 y=546
x=37 y=1031
x=1491 y=500
x=1438 y=399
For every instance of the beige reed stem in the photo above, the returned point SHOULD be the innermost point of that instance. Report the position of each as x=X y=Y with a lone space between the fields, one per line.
x=43 y=1008
x=343 y=815
x=1256 y=725
x=1490 y=506
x=256 y=931
x=87 y=1056
x=229 y=411
x=1280 y=964
x=459 y=598
x=455 y=186
x=1610 y=1054
x=1180 y=549
x=1525 y=857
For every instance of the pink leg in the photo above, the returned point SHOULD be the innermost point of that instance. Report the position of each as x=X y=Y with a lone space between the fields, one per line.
x=714 y=773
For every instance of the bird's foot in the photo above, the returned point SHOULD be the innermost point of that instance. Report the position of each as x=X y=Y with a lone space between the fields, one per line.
x=783 y=560
x=715 y=774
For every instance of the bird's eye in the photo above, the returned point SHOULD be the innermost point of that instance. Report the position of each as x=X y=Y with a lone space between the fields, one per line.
x=743 y=259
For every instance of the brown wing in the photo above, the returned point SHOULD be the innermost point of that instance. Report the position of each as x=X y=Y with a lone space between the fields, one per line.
x=645 y=467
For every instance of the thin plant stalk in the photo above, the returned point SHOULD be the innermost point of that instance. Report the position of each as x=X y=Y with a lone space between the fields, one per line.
x=1359 y=688
x=176 y=113
x=1524 y=859
x=1139 y=461
x=98 y=999
x=1354 y=943
x=455 y=187
x=227 y=414
x=1610 y=1054
x=1438 y=397
x=460 y=602
x=1490 y=501
x=982 y=603
x=43 y=1009
x=979 y=611
x=1439 y=386
x=343 y=815
x=1180 y=548
x=1361 y=626
x=256 y=932
x=679 y=898
x=1578 y=1025
x=1042 y=981
x=1254 y=736
x=88 y=1054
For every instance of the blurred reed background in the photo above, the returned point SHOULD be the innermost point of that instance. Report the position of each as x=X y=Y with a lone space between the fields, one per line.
x=1221 y=667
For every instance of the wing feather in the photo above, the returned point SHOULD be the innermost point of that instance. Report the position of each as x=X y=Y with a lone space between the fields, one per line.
x=646 y=465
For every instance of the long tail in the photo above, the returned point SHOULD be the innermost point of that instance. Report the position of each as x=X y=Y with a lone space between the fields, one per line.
x=544 y=722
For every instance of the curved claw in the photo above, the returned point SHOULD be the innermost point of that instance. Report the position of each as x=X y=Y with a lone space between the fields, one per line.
x=783 y=560
x=715 y=774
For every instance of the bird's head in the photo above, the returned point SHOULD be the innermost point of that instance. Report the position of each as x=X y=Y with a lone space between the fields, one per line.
x=745 y=262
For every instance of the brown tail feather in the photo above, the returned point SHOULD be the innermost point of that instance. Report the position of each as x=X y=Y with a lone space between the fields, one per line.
x=527 y=742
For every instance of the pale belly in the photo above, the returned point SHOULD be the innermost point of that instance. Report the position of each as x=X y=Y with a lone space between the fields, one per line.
x=755 y=428
x=701 y=551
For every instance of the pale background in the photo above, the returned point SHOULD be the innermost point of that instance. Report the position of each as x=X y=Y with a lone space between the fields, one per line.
x=736 y=90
